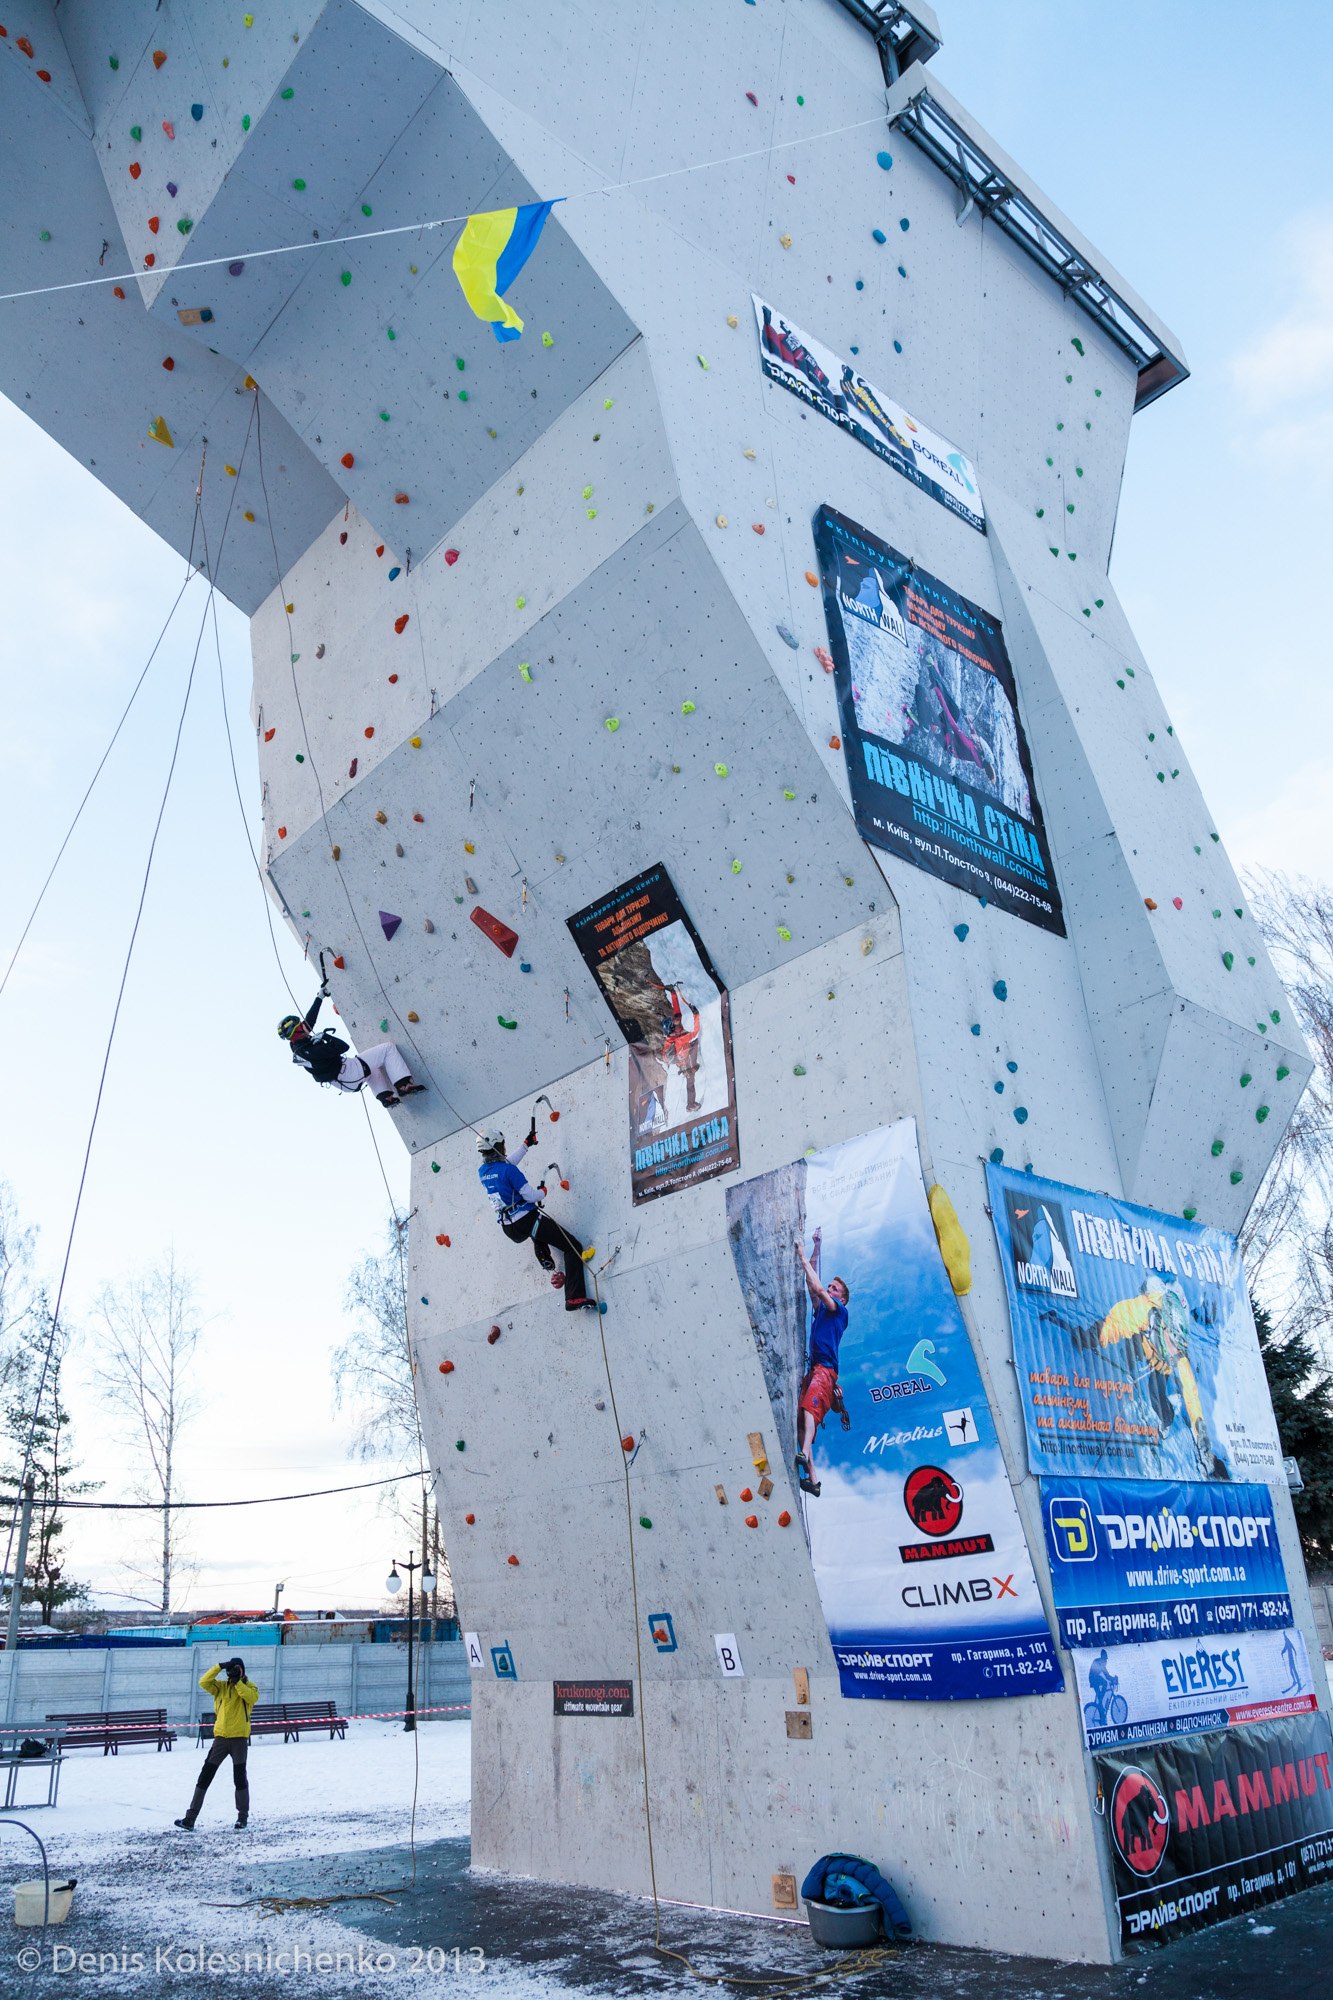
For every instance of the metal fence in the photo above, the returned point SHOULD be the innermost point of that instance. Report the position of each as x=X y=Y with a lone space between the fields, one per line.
x=361 y=1678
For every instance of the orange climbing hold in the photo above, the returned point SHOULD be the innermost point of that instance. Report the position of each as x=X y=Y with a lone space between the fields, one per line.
x=340 y=963
x=835 y=743
x=155 y=223
x=752 y=1520
x=446 y=1368
x=135 y=170
x=784 y=1519
x=282 y=833
x=757 y=527
x=370 y=731
x=400 y=499
x=746 y=1493
x=513 y=1562
x=348 y=459
x=627 y=1444
x=1148 y=903
x=444 y=1240
x=381 y=818
x=269 y=734
x=149 y=261
x=168 y=363
x=159 y=57
x=117 y=291
x=825 y=658
x=812 y=579
x=471 y=1520
x=400 y=623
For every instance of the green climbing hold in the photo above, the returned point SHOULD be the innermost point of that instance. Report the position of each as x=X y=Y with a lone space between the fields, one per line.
x=462 y=395
x=736 y=867
x=185 y=225
x=136 y=133
x=1069 y=506
x=798 y=1069
x=391 y=332
x=612 y=723
x=784 y=933
x=505 y=1024
x=644 y=1521
x=366 y=208
x=525 y=670
x=287 y=94
x=1099 y=602
x=44 y=236
x=519 y=603
x=1282 y=1072
x=460 y=1444
x=299 y=185
x=1228 y=959
x=384 y=1027
x=1041 y=513
x=1077 y=346
x=1261 y=1114
x=1275 y=1017
x=1245 y=1079
x=300 y=756
x=721 y=769
x=346 y=277
x=702 y=363
x=114 y=61
x=800 y=100
x=1236 y=1176
x=1218 y=1148
x=435 y=1166
x=245 y=122
x=1189 y=1213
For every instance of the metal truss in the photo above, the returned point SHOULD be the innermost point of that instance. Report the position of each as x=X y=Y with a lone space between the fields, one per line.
x=905 y=34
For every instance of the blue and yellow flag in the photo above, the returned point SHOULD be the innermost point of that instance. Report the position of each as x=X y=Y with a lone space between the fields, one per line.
x=489 y=255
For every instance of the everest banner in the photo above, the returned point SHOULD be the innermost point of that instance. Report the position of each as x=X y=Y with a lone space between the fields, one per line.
x=1147 y=1559
x=936 y=756
x=659 y=982
x=919 y=1555
x=1136 y=1694
x=1134 y=1341
x=830 y=385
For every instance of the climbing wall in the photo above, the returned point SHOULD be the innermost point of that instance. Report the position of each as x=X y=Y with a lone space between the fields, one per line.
x=531 y=618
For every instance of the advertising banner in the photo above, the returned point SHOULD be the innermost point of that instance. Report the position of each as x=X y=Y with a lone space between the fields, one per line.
x=936 y=756
x=1134 y=1340
x=1206 y=1827
x=922 y=1568
x=827 y=383
x=675 y=1013
x=1142 y=1559
x=1136 y=1694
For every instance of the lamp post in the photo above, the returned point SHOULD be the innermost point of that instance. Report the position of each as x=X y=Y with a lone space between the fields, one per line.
x=394 y=1583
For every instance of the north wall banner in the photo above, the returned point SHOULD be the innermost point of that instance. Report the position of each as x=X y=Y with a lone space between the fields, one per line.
x=1138 y=1559
x=675 y=1013
x=1138 y=1694
x=919 y=1556
x=1134 y=1341
x=1206 y=1827
x=936 y=756
x=833 y=387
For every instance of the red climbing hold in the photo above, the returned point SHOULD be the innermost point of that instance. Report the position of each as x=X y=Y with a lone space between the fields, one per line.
x=451 y=557
x=420 y=818
x=340 y=963
x=380 y=550
x=400 y=499
x=471 y=1520
x=389 y=923
x=498 y=933
x=343 y=536
x=784 y=1519
x=168 y=128
x=22 y=42
x=393 y=679
x=446 y=1368
x=493 y=1336
x=512 y=1561
x=752 y=98
x=269 y=734
x=792 y=179
x=400 y=623
x=752 y=1520
x=155 y=223
x=159 y=57
x=282 y=833
x=135 y=170
x=758 y=527
x=369 y=730
x=351 y=768
x=445 y=1241
x=349 y=460
x=117 y=291
x=168 y=363
x=149 y=261
x=45 y=75
x=627 y=1444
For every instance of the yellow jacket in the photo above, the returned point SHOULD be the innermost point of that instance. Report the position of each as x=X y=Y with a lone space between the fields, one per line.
x=231 y=1705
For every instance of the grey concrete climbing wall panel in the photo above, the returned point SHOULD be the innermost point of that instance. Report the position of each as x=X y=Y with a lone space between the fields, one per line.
x=587 y=639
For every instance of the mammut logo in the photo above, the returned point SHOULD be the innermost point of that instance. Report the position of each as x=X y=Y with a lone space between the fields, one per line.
x=934 y=1501
x=1140 y=1821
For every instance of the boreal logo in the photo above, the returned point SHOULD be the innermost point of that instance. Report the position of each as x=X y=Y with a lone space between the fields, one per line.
x=1039 y=1238
x=1140 y=1821
x=959 y=464
x=933 y=1499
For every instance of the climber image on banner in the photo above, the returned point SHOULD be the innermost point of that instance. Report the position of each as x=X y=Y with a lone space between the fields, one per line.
x=919 y=1556
x=1133 y=1338
x=936 y=756
x=1205 y=1827
x=675 y=1014
x=827 y=383
x=1134 y=1560
x=1168 y=1687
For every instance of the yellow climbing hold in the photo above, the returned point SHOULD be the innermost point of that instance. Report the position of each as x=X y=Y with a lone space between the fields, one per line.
x=721 y=520
x=413 y=1017
x=230 y=471
x=785 y=241
x=519 y=602
x=952 y=1239
x=525 y=670
x=247 y=516
x=721 y=770
x=687 y=708
x=158 y=431
x=250 y=383
x=548 y=340
x=415 y=741
x=468 y=847
x=748 y=453
x=732 y=320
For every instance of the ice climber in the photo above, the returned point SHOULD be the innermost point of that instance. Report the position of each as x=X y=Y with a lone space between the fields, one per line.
x=233 y=1698
x=331 y=1060
x=518 y=1210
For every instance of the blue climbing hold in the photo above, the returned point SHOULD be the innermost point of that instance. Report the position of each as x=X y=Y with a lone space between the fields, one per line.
x=998 y=1088
x=904 y=224
x=879 y=236
x=787 y=639
x=856 y=350
x=885 y=160
x=1021 y=1114
x=860 y=284
x=395 y=572
x=523 y=966
x=902 y=270
x=976 y=1027
x=1012 y=1068
x=960 y=931
x=997 y=1155
x=1000 y=990
x=196 y=112
x=897 y=347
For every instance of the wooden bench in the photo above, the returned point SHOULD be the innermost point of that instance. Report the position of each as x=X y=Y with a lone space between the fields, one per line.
x=286 y=1719
x=110 y=1727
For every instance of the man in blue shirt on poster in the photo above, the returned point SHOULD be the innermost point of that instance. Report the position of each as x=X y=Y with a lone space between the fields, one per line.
x=819 y=1389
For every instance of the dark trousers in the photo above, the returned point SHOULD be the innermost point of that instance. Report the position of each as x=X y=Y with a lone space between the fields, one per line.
x=219 y=1750
x=545 y=1236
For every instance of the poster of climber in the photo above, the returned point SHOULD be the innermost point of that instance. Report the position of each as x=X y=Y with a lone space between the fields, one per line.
x=832 y=386
x=1206 y=1827
x=675 y=1014
x=936 y=757
x=884 y=1430
x=1134 y=1340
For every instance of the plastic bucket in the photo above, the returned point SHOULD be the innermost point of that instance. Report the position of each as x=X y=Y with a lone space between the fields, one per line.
x=30 y=1897
x=843 y=1929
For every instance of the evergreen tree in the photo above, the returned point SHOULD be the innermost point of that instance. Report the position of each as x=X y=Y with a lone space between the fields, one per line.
x=46 y=1581
x=1302 y=1393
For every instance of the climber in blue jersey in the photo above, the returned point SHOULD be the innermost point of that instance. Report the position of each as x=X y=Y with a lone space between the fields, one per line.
x=518 y=1210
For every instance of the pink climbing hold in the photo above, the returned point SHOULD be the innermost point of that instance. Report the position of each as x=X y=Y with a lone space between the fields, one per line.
x=451 y=557
x=389 y=923
x=752 y=98
x=168 y=128
x=351 y=768
x=1177 y=903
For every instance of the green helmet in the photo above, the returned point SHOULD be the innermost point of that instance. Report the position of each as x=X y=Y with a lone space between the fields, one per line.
x=288 y=1026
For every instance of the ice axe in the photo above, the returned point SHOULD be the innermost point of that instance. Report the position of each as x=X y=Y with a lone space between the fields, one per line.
x=553 y=1167
x=555 y=1115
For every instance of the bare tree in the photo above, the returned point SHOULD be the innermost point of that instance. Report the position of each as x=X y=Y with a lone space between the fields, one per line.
x=154 y=1327
x=1288 y=1235
x=22 y=1303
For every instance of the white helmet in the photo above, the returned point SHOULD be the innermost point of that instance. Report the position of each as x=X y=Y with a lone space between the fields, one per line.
x=490 y=1142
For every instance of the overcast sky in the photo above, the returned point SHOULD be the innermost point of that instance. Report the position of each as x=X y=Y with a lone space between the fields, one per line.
x=1181 y=140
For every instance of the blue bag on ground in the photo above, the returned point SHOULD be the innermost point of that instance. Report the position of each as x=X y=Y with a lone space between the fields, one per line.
x=846 y=1879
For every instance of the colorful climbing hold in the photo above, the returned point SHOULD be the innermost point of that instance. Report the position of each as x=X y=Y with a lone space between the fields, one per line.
x=1000 y=990
x=506 y=1024
x=960 y=931
x=612 y=723
x=389 y=924
x=159 y=432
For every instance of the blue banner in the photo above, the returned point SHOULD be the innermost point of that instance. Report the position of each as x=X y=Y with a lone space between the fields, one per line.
x=919 y=1555
x=1135 y=1559
x=1134 y=1342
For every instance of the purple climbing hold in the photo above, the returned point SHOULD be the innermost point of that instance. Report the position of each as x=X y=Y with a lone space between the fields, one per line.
x=236 y=268
x=172 y=189
x=389 y=923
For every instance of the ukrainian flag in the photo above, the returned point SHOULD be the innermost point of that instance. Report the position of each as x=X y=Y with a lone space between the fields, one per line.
x=489 y=255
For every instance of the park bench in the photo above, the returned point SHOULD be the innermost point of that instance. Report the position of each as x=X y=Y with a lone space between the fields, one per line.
x=286 y=1719
x=12 y=1761
x=110 y=1727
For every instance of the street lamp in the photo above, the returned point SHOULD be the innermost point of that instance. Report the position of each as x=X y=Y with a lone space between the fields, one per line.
x=394 y=1583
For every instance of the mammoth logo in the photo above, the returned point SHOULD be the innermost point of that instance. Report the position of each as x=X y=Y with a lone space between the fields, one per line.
x=934 y=1501
x=1140 y=1821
